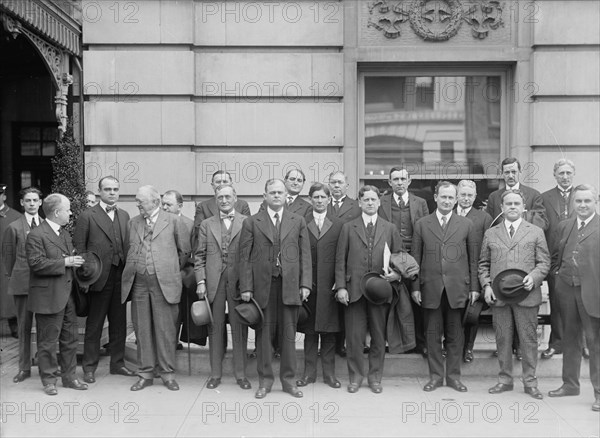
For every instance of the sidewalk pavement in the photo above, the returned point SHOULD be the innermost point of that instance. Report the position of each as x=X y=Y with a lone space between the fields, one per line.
x=109 y=409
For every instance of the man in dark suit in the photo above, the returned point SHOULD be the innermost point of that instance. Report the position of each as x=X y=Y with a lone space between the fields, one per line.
x=467 y=193
x=404 y=209
x=345 y=209
x=575 y=263
x=294 y=182
x=515 y=244
x=209 y=208
x=534 y=212
x=50 y=257
x=323 y=319
x=7 y=307
x=444 y=246
x=172 y=202
x=159 y=246
x=360 y=250
x=275 y=269
x=558 y=208
x=102 y=229
x=217 y=277
x=17 y=269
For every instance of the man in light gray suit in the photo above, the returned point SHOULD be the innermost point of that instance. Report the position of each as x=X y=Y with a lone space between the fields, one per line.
x=159 y=244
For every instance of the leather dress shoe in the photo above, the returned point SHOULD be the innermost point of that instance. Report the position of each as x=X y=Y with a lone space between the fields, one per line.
x=366 y=350
x=353 y=388
x=548 y=353
x=585 y=352
x=141 y=384
x=432 y=385
x=457 y=385
x=123 y=371
x=501 y=387
x=88 y=377
x=534 y=392
x=277 y=355
x=424 y=352
x=596 y=404
x=468 y=356
x=21 y=375
x=262 y=392
x=305 y=381
x=376 y=387
x=563 y=392
x=517 y=353
x=244 y=383
x=213 y=382
x=171 y=385
x=333 y=382
x=293 y=391
x=50 y=389
x=74 y=384
x=252 y=355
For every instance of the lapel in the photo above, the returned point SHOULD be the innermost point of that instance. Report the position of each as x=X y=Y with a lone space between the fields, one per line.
x=140 y=225
x=359 y=227
x=264 y=224
x=555 y=197
x=412 y=207
x=590 y=228
x=286 y=225
x=346 y=205
x=214 y=224
x=103 y=221
x=519 y=234
x=56 y=240
x=161 y=223
x=312 y=227
x=572 y=228
x=451 y=226
x=386 y=206
x=327 y=223
x=435 y=227
x=236 y=225
x=122 y=223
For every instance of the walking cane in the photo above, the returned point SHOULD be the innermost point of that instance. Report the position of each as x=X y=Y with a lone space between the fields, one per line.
x=187 y=328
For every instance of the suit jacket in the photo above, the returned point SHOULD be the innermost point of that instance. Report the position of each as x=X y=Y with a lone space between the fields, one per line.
x=208 y=264
x=535 y=214
x=187 y=273
x=170 y=250
x=299 y=206
x=417 y=206
x=256 y=252
x=481 y=222
x=323 y=247
x=7 y=305
x=587 y=259
x=447 y=260
x=94 y=232
x=551 y=200
x=209 y=208
x=527 y=250
x=15 y=257
x=50 y=281
x=348 y=211
x=352 y=252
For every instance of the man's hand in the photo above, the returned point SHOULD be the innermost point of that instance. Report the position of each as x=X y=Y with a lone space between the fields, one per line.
x=304 y=293
x=416 y=296
x=201 y=290
x=473 y=296
x=342 y=296
x=391 y=275
x=246 y=296
x=528 y=282
x=488 y=295
x=74 y=261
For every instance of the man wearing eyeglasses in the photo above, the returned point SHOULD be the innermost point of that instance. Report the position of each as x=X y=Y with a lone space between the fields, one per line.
x=294 y=182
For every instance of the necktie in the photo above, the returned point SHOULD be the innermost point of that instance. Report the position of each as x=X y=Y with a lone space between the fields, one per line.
x=444 y=222
x=400 y=202
x=337 y=205
x=320 y=222
x=110 y=208
x=370 y=229
x=581 y=226
x=227 y=219
x=290 y=199
x=33 y=223
x=511 y=231
x=463 y=212
x=277 y=222
x=565 y=194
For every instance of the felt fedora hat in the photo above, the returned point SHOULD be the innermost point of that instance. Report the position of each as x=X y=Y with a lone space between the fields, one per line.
x=472 y=311
x=201 y=313
x=250 y=312
x=508 y=286
x=90 y=271
x=376 y=289
x=304 y=313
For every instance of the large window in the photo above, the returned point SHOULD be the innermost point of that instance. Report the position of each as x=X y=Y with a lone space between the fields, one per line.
x=438 y=124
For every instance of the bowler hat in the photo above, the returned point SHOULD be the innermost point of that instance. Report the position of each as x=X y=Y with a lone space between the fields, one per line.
x=90 y=271
x=201 y=313
x=471 y=315
x=304 y=313
x=377 y=290
x=250 y=312
x=508 y=286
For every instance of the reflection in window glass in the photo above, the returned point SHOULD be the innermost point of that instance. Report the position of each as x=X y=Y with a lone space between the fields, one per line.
x=26 y=180
x=432 y=125
x=29 y=148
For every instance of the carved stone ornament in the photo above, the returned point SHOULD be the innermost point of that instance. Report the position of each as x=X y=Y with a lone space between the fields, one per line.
x=435 y=20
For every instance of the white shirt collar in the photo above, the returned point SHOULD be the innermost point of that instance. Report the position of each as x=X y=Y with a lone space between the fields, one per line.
x=54 y=226
x=466 y=211
x=271 y=214
x=319 y=215
x=366 y=219
x=516 y=224
x=153 y=215
x=517 y=186
x=404 y=198
x=287 y=197
x=568 y=189
x=439 y=216
x=28 y=218
x=587 y=221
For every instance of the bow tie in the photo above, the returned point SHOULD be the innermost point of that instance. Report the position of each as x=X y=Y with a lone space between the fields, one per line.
x=110 y=208
x=229 y=216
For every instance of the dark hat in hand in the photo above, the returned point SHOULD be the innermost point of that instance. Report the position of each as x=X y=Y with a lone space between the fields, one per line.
x=471 y=315
x=508 y=286
x=250 y=313
x=375 y=289
x=304 y=313
x=201 y=313
x=90 y=271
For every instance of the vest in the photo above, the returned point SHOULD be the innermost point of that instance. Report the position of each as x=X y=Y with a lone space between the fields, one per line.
x=118 y=255
x=401 y=218
x=276 y=256
x=370 y=243
x=569 y=272
x=146 y=265
x=225 y=241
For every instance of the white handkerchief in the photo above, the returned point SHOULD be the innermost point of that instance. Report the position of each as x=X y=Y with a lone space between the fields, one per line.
x=386 y=258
